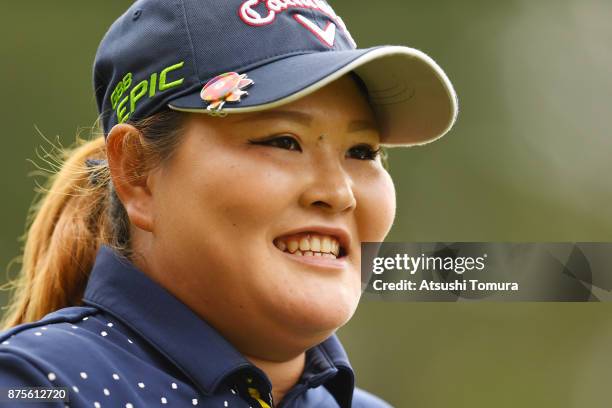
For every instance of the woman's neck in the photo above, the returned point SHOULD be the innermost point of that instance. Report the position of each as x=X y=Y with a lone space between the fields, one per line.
x=282 y=374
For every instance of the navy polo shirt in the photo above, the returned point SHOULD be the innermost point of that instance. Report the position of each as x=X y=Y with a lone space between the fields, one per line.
x=133 y=344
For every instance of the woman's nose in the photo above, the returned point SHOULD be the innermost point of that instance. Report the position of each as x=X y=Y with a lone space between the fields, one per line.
x=330 y=188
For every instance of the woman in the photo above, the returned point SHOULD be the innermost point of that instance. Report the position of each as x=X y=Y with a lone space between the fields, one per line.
x=205 y=249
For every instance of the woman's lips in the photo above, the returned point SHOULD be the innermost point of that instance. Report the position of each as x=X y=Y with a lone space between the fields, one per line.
x=318 y=246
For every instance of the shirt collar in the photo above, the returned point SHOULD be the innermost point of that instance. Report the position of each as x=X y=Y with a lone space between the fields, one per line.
x=328 y=364
x=118 y=287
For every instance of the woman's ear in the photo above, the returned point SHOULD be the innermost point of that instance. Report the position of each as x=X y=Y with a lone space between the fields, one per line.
x=125 y=157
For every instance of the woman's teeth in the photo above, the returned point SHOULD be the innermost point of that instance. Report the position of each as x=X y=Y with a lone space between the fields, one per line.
x=310 y=245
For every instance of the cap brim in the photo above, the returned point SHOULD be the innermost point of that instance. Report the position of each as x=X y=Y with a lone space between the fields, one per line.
x=409 y=92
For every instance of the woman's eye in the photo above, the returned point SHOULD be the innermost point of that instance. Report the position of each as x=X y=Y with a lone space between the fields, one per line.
x=284 y=142
x=364 y=152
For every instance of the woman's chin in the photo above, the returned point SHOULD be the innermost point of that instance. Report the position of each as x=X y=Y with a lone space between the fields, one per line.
x=317 y=315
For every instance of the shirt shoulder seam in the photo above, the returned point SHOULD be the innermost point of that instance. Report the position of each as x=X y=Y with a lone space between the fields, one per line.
x=88 y=311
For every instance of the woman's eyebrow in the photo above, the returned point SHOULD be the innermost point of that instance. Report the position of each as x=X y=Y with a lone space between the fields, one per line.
x=356 y=125
x=295 y=116
x=359 y=125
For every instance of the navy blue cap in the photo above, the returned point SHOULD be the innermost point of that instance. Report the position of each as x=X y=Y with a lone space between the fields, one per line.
x=161 y=53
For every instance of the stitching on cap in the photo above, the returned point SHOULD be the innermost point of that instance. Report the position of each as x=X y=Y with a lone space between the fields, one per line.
x=193 y=56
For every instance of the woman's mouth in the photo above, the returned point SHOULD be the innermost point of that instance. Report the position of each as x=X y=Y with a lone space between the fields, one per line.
x=311 y=244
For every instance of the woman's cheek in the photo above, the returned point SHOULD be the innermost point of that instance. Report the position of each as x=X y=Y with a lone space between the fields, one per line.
x=376 y=205
x=251 y=192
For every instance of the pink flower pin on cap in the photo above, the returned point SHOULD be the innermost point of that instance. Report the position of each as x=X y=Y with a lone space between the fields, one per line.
x=224 y=88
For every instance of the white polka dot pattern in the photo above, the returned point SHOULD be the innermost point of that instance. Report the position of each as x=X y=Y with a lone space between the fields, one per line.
x=88 y=376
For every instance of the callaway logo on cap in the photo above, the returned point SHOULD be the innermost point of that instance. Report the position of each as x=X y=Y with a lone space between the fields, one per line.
x=229 y=56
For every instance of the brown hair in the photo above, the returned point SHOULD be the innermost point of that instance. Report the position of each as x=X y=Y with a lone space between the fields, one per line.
x=76 y=212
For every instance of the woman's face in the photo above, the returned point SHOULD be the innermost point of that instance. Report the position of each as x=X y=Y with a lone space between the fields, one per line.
x=242 y=187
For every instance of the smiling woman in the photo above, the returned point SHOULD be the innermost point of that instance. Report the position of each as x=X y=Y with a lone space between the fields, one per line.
x=233 y=186
x=205 y=247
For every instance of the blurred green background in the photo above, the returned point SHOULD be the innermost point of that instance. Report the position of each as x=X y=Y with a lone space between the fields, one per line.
x=529 y=160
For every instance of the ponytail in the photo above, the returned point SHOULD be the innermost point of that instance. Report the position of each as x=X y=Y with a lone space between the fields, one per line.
x=77 y=212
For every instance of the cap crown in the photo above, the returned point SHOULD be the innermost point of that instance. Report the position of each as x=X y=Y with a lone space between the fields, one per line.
x=159 y=50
